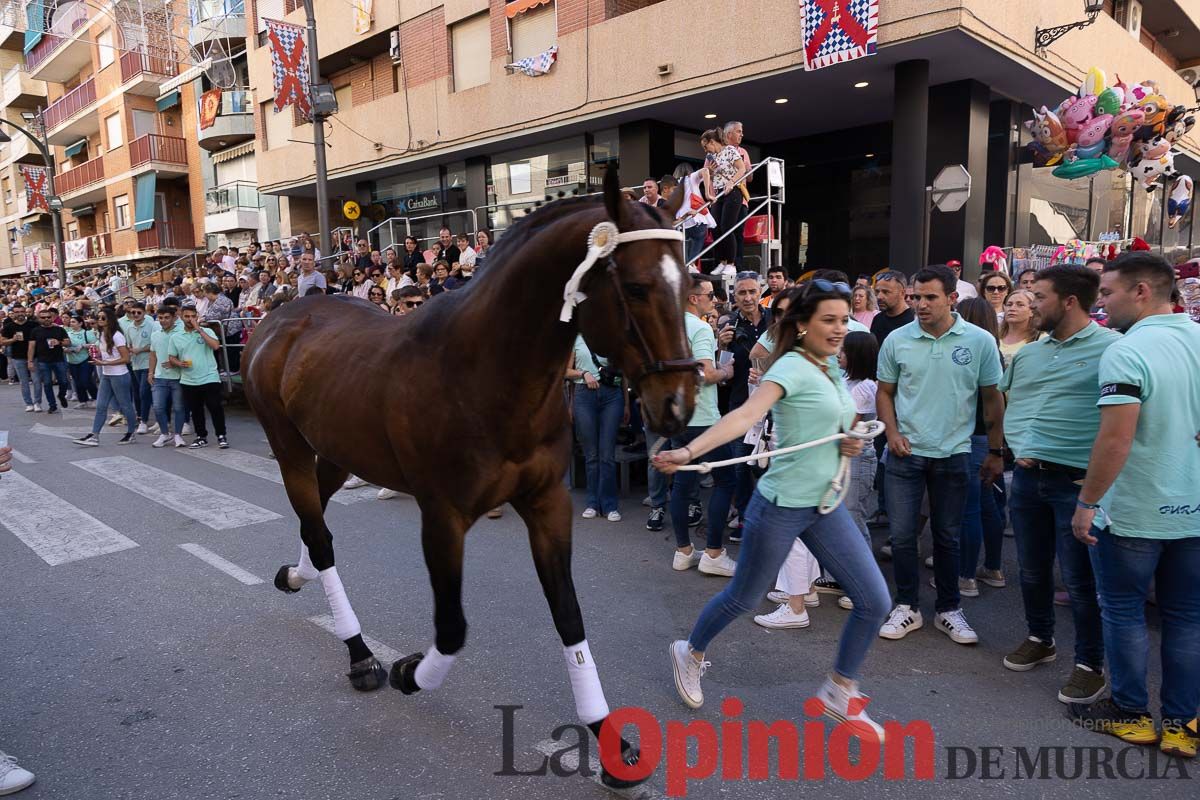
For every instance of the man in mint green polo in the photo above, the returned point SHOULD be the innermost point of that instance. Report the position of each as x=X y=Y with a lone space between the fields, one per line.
x=932 y=372
x=165 y=388
x=1051 y=422
x=191 y=352
x=1139 y=508
x=138 y=330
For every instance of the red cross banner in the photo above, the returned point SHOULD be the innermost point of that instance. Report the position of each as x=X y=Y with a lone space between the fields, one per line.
x=35 y=188
x=289 y=67
x=839 y=30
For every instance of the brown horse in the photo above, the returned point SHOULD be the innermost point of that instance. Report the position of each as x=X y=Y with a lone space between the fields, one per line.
x=477 y=375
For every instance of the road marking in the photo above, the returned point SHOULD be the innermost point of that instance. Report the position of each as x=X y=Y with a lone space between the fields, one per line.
x=268 y=470
x=228 y=567
x=53 y=528
x=570 y=762
x=24 y=459
x=217 y=510
x=385 y=654
x=59 y=433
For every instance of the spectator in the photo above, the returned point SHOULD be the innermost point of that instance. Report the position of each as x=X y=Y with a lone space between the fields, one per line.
x=83 y=374
x=411 y=298
x=138 y=330
x=483 y=242
x=467 y=254
x=599 y=402
x=113 y=360
x=425 y=278
x=859 y=358
x=965 y=290
x=377 y=297
x=450 y=252
x=727 y=169
x=864 y=305
x=1019 y=327
x=360 y=284
x=16 y=334
x=441 y=272
x=362 y=257
x=1026 y=280
x=777 y=283
x=734 y=132
x=309 y=277
x=894 y=312
x=697 y=220
x=192 y=351
x=995 y=288
x=650 y=195
x=170 y=408
x=231 y=288
x=47 y=355
x=413 y=257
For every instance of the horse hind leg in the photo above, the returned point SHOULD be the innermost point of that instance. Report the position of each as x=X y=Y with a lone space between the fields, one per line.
x=548 y=517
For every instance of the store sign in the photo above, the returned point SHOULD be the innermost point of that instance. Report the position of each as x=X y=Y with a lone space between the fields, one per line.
x=419 y=202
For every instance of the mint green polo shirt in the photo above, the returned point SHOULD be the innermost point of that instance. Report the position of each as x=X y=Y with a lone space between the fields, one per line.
x=585 y=362
x=138 y=336
x=854 y=326
x=189 y=346
x=1051 y=386
x=704 y=346
x=813 y=406
x=160 y=342
x=937 y=383
x=1157 y=364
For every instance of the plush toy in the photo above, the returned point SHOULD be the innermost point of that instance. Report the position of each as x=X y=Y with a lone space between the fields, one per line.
x=993 y=258
x=1179 y=202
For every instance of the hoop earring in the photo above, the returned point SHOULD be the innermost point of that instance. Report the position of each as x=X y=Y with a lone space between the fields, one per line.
x=802 y=334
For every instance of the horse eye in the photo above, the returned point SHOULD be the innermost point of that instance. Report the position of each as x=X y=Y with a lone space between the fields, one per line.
x=636 y=291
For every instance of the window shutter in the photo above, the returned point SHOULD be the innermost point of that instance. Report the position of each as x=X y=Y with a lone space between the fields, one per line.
x=533 y=31
x=471 y=48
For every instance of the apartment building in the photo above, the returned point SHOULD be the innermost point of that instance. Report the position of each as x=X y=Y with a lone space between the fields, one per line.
x=126 y=168
x=432 y=127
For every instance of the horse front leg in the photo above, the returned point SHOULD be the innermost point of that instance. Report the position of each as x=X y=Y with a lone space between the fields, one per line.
x=548 y=517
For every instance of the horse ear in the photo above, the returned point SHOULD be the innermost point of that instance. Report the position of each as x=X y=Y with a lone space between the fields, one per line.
x=613 y=201
x=674 y=202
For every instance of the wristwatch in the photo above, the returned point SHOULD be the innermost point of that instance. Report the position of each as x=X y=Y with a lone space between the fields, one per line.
x=996 y=451
x=1088 y=506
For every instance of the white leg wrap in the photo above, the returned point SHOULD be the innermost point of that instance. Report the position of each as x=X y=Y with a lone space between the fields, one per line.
x=303 y=572
x=433 y=669
x=590 y=704
x=345 y=622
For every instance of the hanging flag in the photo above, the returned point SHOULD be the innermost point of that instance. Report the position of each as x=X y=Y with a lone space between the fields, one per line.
x=839 y=30
x=289 y=67
x=362 y=15
x=536 y=65
x=35 y=188
x=210 y=107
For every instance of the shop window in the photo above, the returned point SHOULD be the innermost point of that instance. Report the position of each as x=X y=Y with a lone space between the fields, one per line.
x=533 y=31
x=470 y=49
x=121 y=211
x=116 y=136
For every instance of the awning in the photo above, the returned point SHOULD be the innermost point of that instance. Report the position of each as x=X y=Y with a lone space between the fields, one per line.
x=35 y=23
x=143 y=201
x=187 y=76
x=84 y=211
x=75 y=149
x=168 y=101
x=243 y=149
x=517 y=6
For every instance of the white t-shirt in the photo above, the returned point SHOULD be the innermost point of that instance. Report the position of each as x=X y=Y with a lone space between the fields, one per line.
x=110 y=355
x=693 y=186
x=467 y=257
x=863 y=393
x=966 y=289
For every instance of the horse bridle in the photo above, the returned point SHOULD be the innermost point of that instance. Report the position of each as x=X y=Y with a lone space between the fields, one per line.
x=602 y=243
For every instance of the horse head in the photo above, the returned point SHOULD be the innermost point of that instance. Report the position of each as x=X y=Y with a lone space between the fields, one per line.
x=635 y=306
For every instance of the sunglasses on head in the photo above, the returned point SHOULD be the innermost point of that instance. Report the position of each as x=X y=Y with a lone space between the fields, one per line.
x=747 y=275
x=828 y=286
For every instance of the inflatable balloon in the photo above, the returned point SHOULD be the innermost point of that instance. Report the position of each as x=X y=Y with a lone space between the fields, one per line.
x=1093 y=82
x=1050 y=138
x=1154 y=106
x=1178 y=123
x=1154 y=159
x=1110 y=101
x=993 y=258
x=1121 y=133
x=1082 y=167
x=1075 y=113
x=1179 y=202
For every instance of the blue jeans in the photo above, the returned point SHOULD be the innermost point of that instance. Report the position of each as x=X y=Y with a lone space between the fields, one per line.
x=1042 y=504
x=83 y=377
x=835 y=541
x=169 y=404
x=1124 y=567
x=907 y=481
x=982 y=524
x=656 y=482
x=743 y=475
x=724 y=483
x=140 y=391
x=47 y=373
x=31 y=384
x=693 y=241
x=114 y=390
x=862 y=480
x=597 y=417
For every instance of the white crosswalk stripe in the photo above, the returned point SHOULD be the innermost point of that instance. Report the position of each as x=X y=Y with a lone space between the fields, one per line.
x=53 y=528
x=228 y=567
x=217 y=510
x=64 y=433
x=385 y=654
x=268 y=470
x=21 y=457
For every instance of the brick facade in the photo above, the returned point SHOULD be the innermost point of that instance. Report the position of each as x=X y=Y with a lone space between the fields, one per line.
x=424 y=44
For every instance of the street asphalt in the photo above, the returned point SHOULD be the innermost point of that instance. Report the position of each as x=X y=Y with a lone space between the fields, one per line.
x=132 y=667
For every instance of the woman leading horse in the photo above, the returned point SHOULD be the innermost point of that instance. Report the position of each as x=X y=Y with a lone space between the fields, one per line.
x=480 y=425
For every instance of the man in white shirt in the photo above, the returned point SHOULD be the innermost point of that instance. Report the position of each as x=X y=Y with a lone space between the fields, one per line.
x=466 y=253
x=965 y=288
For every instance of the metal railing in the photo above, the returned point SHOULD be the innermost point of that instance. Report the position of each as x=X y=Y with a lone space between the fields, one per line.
x=156 y=147
x=175 y=235
x=87 y=173
x=66 y=23
x=200 y=11
x=772 y=203
x=134 y=63
x=70 y=104
x=238 y=194
x=386 y=236
x=233 y=334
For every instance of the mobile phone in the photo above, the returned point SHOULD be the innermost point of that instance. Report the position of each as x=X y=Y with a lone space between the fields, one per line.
x=3 y=438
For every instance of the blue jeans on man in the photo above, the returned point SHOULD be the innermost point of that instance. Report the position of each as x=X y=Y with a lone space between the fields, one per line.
x=724 y=484
x=31 y=384
x=139 y=388
x=169 y=404
x=983 y=524
x=1124 y=567
x=908 y=479
x=597 y=417
x=1042 y=504
x=48 y=371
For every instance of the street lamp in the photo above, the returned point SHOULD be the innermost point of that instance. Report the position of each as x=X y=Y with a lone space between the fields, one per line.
x=1044 y=37
x=52 y=200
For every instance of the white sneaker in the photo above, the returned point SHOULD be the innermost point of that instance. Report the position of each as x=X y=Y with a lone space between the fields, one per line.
x=902 y=621
x=954 y=625
x=614 y=516
x=28 y=408
x=13 y=778
x=142 y=429
x=646 y=501
x=37 y=406
x=846 y=603
x=387 y=494
x=811 y=600
x=179 y=442
x=590 y=513
x=354 y=482
x=685 y=561
x=153 y=429
x=115 y=420
x=161 y=441
x=783 y=617
x=847 y=705
x=722 y=565
x=688 y=672
x=187 y=429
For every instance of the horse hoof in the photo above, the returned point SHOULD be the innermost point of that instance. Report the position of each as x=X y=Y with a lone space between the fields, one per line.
x=630 y=757
x=404 y=674
x=366 y=675
x=281 y=579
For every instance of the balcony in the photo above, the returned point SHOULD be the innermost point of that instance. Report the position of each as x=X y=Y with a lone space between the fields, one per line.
x=216 y=19
x=142 y=73
x=12 y=25
x=83 y=184
x=233 y=206
x=167 y=236
x=21 y=150
x=20 y=90
x=70 y=117
x=234 y=123
x=61 y=52
x=88 y=248
x=166 y=155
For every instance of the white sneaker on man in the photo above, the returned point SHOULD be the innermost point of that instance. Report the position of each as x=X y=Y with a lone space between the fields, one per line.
x=847 y=705
x=153 y=428
x=29 y=408
x=37 y=407
x=187 y=429
x=13 y=778
x=387 y=494
x=902 y=621
x=354 y=482
x=142 y=430
x=161 y=441
x=783 y=617
x=954 y=625
x=115 y=420
x=179 y=442
x=722 y=566
x=685 y=561
x=614 y=516
x=688 y=672
x=589 y=513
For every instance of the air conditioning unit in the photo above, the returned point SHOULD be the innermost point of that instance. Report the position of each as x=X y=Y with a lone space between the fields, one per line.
x=1190 y=74
x=394 y=46
x=1133 y=18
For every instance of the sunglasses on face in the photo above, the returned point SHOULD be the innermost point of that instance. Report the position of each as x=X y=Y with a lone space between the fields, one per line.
x=996 y=288
x=413 y=303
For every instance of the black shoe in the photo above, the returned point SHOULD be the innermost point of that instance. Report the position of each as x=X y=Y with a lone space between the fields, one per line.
x=695 y=515
x=126 y=439
x=656 y=520
x=88 y=440
x=735 y=536
x=198 y=443
x=827 y=586
x=62 y=401
x=222 y=443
